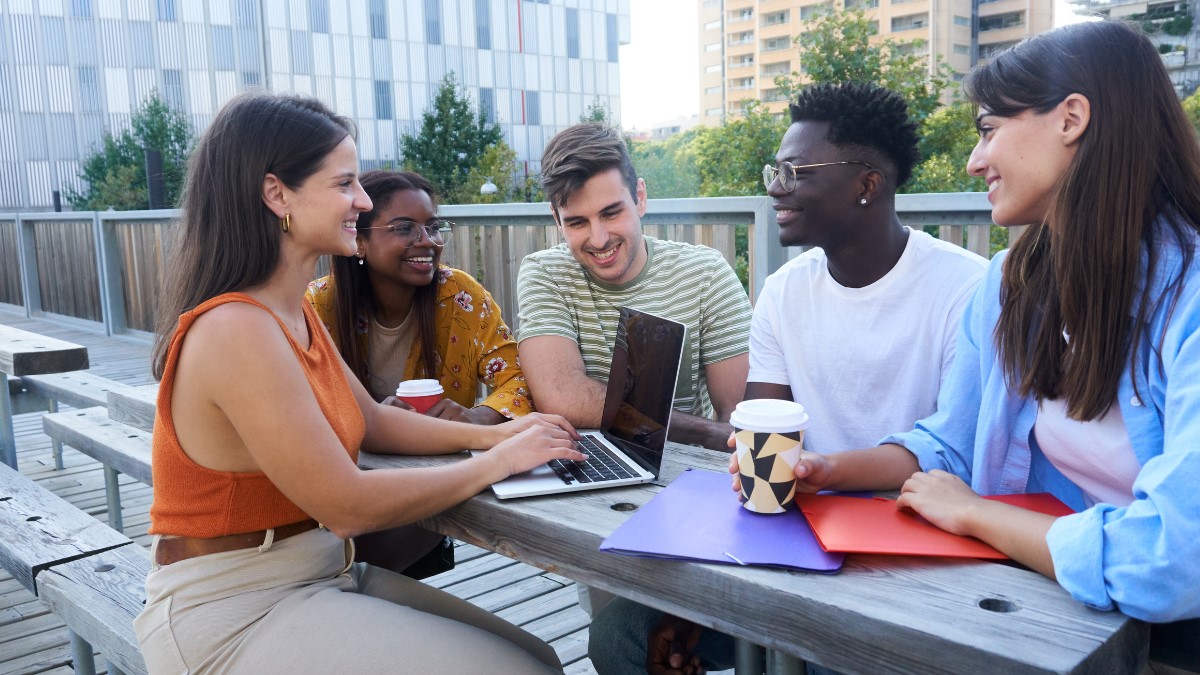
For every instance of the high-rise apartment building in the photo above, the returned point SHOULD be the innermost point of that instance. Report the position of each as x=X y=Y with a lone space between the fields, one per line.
x=1169 y=23
x=746 y=44
x=72 y=69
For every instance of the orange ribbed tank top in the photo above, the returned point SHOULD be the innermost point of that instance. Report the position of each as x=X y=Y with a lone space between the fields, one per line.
x=193 y=501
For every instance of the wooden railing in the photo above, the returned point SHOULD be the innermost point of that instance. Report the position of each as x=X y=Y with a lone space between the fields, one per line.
x=105 y=268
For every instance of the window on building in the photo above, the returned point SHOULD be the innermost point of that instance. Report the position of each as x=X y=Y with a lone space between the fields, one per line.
x=776 y=18
x=383 y=100
x=713 y=112
x=141 y=42
x=251 y=79
x=173 y=89
x=987 y=51
x=613 y=35
x=222 y=38
x=89 y=92
x=862 y=4
x=712 y=47
x=744 y=14
x=741 y=61
x=962 y=21
x=572 y=21
x=301 y=53
x=54 y=39
x=873 y=27
x=714 y=68
x=483 y=24
x=245 y=12
x=773 y=95
x=81 y=7
x=777 y=43
x=712 y=25
x=533 y=107
x=780 y=68
x=166 y=10
x=377 y=13
x=964 y=50
x=1001 y=21
x=813 y=11
x=712 y=90
x=433 y=22
x=318 y=15
x=743 y=38
x=909 y=22
x=741 y=83
x=487 y=104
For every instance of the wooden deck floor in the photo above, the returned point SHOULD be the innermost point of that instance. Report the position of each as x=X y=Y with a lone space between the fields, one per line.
x=34 y=641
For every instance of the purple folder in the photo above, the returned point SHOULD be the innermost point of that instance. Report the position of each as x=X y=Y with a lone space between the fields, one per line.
x=696 y=517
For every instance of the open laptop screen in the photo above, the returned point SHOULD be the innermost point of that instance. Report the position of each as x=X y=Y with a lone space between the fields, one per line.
x=641 y=387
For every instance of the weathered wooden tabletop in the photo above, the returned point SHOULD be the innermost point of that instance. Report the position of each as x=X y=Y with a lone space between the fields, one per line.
x=25 y=353
x=879 y=614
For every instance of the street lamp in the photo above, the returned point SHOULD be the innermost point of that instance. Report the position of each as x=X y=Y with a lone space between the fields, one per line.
x=488 y=188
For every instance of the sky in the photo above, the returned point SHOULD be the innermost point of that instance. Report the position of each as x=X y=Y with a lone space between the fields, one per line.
x=660 y=72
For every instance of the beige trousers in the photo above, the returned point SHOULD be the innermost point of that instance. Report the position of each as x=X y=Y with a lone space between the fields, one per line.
x=302 y=606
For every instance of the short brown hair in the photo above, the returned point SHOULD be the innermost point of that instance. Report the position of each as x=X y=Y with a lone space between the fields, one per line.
x=580 y=152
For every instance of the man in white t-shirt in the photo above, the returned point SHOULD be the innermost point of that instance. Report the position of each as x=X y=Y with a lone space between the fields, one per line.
x=860 y=329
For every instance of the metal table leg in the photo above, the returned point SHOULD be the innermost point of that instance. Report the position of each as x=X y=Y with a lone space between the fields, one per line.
x=112 y=491
x=747 y=658
x=8 y=440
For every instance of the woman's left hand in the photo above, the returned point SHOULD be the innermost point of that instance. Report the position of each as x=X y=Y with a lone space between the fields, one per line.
x=941 y=498
x=447 y=409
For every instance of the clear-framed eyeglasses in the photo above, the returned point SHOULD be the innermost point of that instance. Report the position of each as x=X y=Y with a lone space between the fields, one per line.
x=787 y=172
x=410 y=232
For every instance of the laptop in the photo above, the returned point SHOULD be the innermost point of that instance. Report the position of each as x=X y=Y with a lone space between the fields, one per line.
x=628 y=447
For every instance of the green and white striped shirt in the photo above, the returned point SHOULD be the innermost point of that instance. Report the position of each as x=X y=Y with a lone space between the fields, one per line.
x=683 y=282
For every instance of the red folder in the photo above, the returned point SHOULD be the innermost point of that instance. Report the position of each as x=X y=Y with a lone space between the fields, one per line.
x=855 y=525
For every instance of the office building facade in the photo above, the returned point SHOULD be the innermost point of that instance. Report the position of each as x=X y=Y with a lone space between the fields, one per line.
x=1170 y=24
x=72 y=69
x=746 y=44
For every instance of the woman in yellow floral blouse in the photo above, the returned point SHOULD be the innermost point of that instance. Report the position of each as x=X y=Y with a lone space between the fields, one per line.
x=396 y=314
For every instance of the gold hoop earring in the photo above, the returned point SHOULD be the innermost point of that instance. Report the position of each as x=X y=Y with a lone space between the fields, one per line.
x=285 y=223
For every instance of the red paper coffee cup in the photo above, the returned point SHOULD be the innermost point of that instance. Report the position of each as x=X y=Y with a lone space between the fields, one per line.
x=420 y=394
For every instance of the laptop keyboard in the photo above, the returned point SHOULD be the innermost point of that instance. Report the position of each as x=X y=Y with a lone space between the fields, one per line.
x=599 y=467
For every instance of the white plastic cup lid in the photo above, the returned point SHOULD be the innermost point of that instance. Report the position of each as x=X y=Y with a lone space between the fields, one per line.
x=419 y=388
x=769 y=415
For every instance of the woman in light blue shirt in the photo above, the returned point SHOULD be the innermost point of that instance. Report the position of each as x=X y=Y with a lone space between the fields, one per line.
x=1077 y=370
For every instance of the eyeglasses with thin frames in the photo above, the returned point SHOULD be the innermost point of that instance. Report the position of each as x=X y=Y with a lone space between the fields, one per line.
x=787 y=172
x=410 y=232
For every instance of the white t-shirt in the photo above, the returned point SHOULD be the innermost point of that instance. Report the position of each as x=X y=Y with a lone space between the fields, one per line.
x=1097 y=455
x=864 y=362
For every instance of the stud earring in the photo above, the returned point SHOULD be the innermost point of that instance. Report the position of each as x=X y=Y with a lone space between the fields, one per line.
x=863 y=201
x=360 y=259
x=285 y=223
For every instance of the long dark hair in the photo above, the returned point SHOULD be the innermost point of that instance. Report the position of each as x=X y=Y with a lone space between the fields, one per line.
x=227 y=239
x=1080 y=270
x=355 y=296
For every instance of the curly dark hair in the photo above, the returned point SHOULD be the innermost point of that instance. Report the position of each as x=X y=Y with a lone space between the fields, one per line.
x=866 y=116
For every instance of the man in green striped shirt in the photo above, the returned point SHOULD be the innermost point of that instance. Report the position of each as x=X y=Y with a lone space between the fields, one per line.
x=569 y=295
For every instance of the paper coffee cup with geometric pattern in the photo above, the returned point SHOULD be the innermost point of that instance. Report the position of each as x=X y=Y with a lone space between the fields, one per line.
x=769 y=434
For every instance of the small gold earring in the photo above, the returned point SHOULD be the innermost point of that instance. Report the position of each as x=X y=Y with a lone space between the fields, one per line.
x=285 y=223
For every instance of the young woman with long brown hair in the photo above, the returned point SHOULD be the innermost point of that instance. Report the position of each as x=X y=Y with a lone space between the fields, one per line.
x=260 y=421
x=1077 y=370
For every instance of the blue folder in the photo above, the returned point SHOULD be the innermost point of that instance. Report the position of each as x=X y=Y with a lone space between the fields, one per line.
x=697 y=517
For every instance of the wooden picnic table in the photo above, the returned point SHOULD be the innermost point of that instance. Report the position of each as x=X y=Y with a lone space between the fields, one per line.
x=879 y=614
x=25 y=353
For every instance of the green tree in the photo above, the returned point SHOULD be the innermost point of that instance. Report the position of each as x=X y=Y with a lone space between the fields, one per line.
x=947 y=137
x=729 y=159
x=116 y=172
x=498 y=163
x=1191 y=106
x=668 y=166
x=597 y=111
x=454 y=136
x=837 y=48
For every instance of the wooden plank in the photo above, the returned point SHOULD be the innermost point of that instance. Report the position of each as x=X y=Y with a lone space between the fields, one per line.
x=557 y=600
x=26 y=353
x=78 y=389
x=51 y=652
x=559 y=624
x=98 y=597
x=134 y=407
x=519 y=593
x=482 y=583
x=111 y=443
x=41 y=530
x=572 y=648
x=880 y=614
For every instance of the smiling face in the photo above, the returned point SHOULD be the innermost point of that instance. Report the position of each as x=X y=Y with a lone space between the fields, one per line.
x=324 y=209
x=1022 y=158
x=821 y=209
x=602 y=226
x=389 y=258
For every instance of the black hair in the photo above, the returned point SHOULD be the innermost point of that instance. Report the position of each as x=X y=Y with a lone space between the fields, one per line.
x=865 y=116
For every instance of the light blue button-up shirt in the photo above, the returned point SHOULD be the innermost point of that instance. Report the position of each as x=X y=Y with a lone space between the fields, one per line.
x=1143 y=559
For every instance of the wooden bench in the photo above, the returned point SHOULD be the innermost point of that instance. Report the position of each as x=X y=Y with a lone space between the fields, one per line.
x=23 y=353
x=119 y=447
x=42 y=532
x=78 y=389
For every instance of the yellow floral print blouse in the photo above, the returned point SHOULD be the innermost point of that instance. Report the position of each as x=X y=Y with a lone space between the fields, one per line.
x=473 y=343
